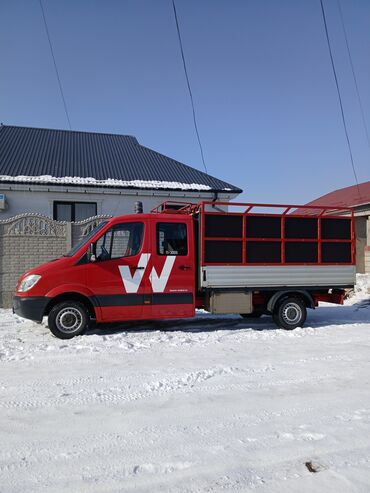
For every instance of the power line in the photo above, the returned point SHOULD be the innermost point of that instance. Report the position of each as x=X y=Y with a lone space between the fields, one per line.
x=55 y=65
x=339 y=96
x=354 y=75
x=189 y=87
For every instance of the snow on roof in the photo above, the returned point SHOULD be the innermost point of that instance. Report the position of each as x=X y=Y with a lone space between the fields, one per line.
x=77 y=180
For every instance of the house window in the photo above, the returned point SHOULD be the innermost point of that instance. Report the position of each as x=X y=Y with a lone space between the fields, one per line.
x=74 y=211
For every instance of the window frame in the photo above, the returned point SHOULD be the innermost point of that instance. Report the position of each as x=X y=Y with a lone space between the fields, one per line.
x=111 y=229
x=73 y=208
x=157 y=238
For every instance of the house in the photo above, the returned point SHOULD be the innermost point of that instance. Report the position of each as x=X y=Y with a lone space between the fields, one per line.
x=357 y=197
x=71 y=175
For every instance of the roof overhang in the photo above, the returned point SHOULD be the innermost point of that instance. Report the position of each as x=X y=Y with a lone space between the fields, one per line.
x=114 y=184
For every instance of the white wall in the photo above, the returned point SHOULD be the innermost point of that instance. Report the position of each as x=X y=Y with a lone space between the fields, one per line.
x=40 y=198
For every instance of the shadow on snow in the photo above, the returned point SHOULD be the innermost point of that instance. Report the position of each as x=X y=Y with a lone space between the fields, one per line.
x=324 y=316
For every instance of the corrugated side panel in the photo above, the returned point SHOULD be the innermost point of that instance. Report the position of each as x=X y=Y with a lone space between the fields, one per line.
x=276 y=275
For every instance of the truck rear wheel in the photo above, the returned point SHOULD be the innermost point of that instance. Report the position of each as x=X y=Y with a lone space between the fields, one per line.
x=68 y=319
x=290 y=313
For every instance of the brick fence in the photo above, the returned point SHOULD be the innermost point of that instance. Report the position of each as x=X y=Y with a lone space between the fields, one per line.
x=29 y=240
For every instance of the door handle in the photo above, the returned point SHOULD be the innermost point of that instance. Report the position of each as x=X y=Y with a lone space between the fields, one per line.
x=140 y=268
x=185 y=267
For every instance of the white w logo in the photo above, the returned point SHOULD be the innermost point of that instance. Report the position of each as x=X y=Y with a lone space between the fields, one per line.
x=158 y=282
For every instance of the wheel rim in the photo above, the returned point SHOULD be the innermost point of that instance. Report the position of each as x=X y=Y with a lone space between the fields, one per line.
x=69 y=320
x=291 y=313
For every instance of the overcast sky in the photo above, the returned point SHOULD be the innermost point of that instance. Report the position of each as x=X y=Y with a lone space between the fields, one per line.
x=260 y=71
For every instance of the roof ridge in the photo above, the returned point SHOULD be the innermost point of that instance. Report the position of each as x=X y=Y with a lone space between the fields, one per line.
x=69 y=131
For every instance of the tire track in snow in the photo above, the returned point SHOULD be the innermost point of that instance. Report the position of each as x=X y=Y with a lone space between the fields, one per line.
x=181 y=383
x=109 y=444
x=116 y=395
x=36 y=385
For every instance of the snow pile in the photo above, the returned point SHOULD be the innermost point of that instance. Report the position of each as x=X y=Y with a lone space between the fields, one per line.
x=361 y=290
x=110 y=182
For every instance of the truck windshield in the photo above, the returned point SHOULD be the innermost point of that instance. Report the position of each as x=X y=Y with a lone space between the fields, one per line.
x=85 y=239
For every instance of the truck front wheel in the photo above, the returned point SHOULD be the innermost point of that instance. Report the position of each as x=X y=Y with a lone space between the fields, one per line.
x=68 y=319
x=290 y=313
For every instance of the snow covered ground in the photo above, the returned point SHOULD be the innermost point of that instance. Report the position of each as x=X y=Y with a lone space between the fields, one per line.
x=214 y=404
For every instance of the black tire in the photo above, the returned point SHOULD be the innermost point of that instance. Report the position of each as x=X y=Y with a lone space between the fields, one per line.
x=290 y=313
x=251 y=315
x=68 y=319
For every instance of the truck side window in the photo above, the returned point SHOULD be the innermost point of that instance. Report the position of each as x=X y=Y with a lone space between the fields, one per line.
x=172 y=239
x=122 y=240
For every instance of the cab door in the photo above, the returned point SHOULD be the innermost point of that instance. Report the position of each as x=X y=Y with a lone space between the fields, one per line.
x=118 y=277
x=172 y=275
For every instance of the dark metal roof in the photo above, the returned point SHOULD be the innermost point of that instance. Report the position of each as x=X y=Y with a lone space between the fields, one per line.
x=34 y=152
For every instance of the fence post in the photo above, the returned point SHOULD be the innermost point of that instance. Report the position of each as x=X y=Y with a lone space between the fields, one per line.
x=68 y=236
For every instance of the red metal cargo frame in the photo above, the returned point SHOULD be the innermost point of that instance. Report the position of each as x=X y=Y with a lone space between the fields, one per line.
x=328 y=212
x=184 y=207
x=289 y=210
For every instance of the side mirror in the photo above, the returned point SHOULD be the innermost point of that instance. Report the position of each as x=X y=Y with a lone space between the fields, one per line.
x=91 y=253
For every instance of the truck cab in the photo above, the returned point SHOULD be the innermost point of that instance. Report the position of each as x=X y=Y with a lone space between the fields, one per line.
x=132 y=267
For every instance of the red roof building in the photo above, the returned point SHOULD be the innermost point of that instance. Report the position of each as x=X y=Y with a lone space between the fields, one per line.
x=358 y=197
x=353 y=196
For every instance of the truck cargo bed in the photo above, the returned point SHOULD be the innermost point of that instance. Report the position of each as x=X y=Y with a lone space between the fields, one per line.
x=297 y=247
x=252 y=276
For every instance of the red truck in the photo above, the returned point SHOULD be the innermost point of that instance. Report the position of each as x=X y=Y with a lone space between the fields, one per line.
x=223 y=257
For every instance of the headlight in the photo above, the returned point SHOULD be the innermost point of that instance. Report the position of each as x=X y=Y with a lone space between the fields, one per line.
x=29 y=282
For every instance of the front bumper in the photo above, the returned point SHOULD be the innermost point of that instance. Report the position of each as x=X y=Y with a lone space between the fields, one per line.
x=32 y=307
